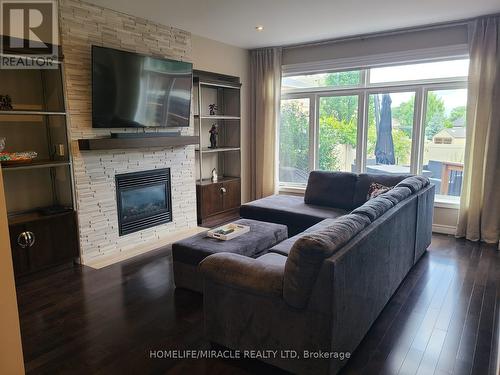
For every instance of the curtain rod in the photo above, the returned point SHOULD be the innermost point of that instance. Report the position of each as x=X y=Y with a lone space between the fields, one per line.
x=405 y=30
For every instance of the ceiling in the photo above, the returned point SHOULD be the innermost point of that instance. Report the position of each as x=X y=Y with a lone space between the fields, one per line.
x=296 y=21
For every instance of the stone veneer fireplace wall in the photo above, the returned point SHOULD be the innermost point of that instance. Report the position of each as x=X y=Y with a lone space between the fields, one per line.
x=83 y=25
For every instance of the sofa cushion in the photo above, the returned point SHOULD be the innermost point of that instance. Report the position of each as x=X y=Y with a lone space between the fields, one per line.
x=414 y=183
x=397 y=194
x=263 y=275
x=289 y=210
x=366 y=179
x=374 y=208
x=331 y=189
x=285 y=246
x=309 y=252
x=425 y=180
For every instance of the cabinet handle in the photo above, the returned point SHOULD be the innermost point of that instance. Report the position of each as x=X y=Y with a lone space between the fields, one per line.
x=26 y=239
x=223 y=190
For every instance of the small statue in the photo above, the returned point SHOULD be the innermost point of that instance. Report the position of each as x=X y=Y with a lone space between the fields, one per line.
x=215 y=177
x=5 y=103
x=212 y=108
x=213 y=136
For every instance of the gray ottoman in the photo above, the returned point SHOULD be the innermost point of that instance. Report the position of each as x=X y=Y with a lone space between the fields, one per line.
x=188 y=253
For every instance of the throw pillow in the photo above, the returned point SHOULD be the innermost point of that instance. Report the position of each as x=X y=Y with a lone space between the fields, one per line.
x=376 y=189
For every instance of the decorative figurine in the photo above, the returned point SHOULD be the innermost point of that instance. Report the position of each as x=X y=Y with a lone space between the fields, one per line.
x=212 y=108
x=213 y=136
x=5 y=103
x=215 y=177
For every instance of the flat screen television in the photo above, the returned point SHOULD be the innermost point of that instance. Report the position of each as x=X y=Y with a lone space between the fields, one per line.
x=132 y=90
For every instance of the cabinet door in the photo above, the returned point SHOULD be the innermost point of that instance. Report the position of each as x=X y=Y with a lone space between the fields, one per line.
x=19 y=254
x=211 y=202
x=232 y=194
x=64 y=238
x=41 y=253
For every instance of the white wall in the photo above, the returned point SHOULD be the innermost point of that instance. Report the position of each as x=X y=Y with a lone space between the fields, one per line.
x=213 y=56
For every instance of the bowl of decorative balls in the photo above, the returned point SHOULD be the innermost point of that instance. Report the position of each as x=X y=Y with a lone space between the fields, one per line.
x=14 y=158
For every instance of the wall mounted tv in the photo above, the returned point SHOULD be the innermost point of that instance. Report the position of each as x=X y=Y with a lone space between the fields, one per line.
x=132 y=90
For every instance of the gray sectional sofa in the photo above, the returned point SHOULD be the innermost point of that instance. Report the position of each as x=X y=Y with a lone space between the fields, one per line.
x=320 y=290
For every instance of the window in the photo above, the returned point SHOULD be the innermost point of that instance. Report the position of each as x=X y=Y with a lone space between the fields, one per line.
x=390 y=128
x=397 y=119
x=294 y=141
x=338 y=131
x=418 y=72
x=444 y=143
x=334 y=79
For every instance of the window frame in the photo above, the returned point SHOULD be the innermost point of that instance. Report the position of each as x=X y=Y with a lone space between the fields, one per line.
x=421 y=88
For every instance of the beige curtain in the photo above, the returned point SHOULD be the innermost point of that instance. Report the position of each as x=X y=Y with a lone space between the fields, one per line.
x=265 y=86
x=479 y=217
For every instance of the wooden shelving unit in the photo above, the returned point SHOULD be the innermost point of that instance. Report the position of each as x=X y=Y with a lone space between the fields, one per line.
x=39 y=195
x=218 y=201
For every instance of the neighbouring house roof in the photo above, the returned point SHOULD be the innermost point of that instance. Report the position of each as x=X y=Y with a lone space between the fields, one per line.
x=455 y=132
x=459 y=122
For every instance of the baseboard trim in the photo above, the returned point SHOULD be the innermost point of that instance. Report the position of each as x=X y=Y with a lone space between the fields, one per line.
x=443 y=229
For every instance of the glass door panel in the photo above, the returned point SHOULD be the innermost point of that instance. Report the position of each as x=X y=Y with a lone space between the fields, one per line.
x=390 y=130
x=444 y=142
x=294 y=141
x=338 y=131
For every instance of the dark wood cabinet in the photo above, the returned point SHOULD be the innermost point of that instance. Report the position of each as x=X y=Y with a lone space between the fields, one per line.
x=218 y=202
x=231 y=196
x=38 y=242
x=212 y=199
x=19 y=254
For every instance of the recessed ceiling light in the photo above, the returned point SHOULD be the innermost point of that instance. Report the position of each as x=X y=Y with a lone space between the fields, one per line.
x=259 y=28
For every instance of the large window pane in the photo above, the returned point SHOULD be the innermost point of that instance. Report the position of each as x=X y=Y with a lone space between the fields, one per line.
x=338 y=128
x=444 y=143
x=332 y=79
x=390 y=126
x=413 y=72
x=294 y=141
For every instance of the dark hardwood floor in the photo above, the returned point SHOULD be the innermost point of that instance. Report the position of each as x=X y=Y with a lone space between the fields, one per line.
x=444 y=319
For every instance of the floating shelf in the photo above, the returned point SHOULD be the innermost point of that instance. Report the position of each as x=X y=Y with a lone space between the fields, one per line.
x=219 y=149
x=35 y=165
x=44 y=113
x=227 y=85
x=146 y=142
x=208 y=117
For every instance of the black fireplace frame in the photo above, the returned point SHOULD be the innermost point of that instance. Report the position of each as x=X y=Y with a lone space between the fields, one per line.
x=154 y=177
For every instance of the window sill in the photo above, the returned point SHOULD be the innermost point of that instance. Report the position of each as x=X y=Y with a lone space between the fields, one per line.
x=439 y=201
x=291 y=189
x=444 y=202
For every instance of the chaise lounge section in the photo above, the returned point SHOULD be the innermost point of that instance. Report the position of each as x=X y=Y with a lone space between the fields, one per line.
x=328 y=195
x=320 y=290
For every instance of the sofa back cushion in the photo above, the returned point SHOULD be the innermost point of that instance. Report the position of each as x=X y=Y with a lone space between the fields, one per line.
x=374 y=208
x=309 y=252
x=396 y=194
x=332 y=189
x=414 y=183
x=366 y=179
